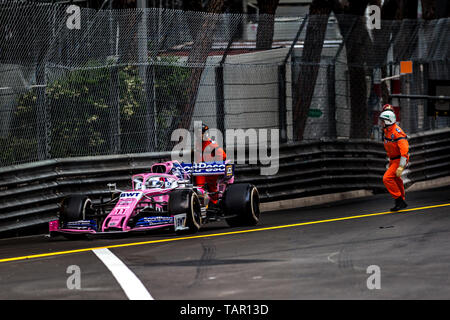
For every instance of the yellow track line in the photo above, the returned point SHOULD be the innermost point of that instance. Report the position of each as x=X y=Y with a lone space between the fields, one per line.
x=217 y=234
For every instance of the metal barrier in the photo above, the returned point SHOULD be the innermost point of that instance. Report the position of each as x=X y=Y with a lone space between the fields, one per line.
x=430 y=156
x=320 y=168
x=31 y=194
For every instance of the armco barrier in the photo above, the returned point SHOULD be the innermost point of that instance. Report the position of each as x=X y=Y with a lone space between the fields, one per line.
x=430 y=155
x=31 y=194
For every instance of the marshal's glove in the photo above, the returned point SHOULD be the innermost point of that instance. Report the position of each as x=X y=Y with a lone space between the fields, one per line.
x=399 y=171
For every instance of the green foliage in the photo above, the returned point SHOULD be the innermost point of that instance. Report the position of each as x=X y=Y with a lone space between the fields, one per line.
x=15 y=150
x=82 y=119
x=170 y=91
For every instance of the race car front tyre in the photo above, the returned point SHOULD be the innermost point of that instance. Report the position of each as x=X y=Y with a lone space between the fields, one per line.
x=76 y=208
x=186 y=201
x=241 y=201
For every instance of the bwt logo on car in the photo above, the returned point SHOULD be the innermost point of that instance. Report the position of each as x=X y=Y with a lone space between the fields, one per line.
x=130 y=194
x=237 y=141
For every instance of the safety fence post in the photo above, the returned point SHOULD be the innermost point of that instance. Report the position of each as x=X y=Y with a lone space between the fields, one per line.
x=425 y=77
x=220 y=102
x=42 y=134
x=282 y=102
x=150 y=108
x=114 y=132
x=331 y=93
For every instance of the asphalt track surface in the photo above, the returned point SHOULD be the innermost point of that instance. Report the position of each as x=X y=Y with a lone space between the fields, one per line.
x=321 y=252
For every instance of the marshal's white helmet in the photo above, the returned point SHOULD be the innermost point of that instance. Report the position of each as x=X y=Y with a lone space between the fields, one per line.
x=388 y=118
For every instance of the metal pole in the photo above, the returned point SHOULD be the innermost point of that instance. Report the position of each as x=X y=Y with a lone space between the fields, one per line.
x=220 y=95
x=146 y=76
x=150 y=110
x=282 y=122
x=220 y=100
x=114 y=111
x=42 y=123
x=41 y=47
x=419 y=96
x=331 y=89
x=291 y=48
x=427 y=120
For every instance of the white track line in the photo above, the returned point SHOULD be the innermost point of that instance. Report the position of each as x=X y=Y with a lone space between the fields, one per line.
x=133 y=287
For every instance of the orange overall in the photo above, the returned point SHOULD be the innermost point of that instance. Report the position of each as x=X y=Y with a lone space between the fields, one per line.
x=211 y=181
x=396 y=146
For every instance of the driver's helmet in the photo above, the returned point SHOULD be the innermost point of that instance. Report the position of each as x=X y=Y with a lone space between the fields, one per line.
x=154 y=182
x=166 y=182
x=176 y=172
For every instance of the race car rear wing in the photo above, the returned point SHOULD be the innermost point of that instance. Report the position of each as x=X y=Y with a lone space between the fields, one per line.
x=209 y=168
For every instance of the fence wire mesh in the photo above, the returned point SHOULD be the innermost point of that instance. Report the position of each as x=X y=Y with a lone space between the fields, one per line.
x=79 y=82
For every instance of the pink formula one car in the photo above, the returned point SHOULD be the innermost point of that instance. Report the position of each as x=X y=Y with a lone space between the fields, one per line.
x=164 y=198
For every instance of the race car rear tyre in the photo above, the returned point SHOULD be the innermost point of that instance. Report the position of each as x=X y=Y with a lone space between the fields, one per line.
x=186 y=201
x=242 y=201
x=76 y=208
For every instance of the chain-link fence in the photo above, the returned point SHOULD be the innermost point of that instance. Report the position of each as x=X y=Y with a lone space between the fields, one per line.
x=78 y=82
x=356 y=75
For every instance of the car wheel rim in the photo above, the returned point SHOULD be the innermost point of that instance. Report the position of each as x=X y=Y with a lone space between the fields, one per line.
x=85 y=204
x=253 y=200
x=196 y=218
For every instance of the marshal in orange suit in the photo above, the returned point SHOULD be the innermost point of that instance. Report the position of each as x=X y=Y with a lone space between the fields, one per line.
x=397 y=148
x=217 y=153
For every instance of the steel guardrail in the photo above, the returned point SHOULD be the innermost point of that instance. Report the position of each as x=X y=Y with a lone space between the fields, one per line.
x=31 y=194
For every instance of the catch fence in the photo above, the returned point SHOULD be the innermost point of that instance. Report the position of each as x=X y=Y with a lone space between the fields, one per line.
x=107 y=82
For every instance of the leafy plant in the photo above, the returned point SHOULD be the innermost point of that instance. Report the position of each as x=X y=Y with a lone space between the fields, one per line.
x=99 y=110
